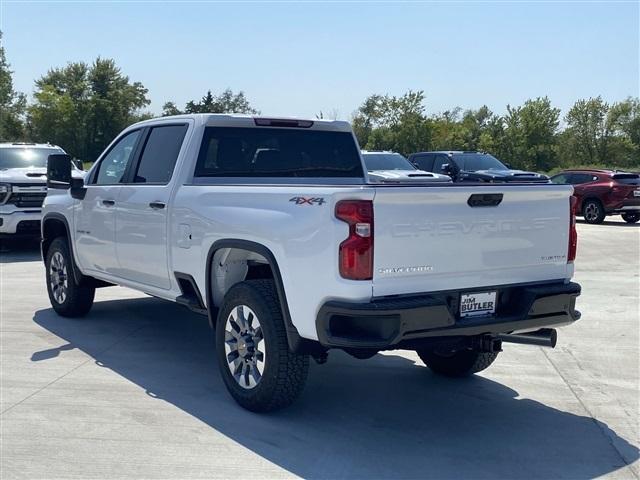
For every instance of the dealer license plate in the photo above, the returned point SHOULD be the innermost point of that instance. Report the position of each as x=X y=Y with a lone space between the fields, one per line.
x=477 y=304
x=636 y=193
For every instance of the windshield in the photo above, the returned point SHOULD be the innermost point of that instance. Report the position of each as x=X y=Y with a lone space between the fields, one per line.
x=386 y=161
x=472 y=162
x=21 y=157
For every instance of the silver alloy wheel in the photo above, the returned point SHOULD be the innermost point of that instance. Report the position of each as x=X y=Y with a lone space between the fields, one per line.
x=591 y=211
x=244 y=346
x=58 y=277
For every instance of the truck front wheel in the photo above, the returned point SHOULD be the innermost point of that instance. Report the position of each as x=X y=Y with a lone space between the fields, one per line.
x=256 y=365
x=68 y=298
x=456 y=364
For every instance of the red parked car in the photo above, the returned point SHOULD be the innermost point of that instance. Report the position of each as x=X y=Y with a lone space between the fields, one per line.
x=604 y=192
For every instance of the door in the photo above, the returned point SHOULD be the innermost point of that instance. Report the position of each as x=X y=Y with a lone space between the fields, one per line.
x=142 y=209
x=95 y=214
x=582 y=186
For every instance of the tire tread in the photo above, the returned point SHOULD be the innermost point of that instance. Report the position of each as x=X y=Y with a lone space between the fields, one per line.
x=79 y=297
x=291 y=369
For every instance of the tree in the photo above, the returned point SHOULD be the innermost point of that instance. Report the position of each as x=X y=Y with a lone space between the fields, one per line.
x=588 y=130
x=399 y=124
x=601 y=134
x=470 y=130
x=12 y=104
x=226 y=102
x=529 y=140
x=170 y=108
x=83 y=107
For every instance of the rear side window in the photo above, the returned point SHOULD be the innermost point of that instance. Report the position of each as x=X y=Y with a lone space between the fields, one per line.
x=277 y=152
x=627 y=178
x=160 y=154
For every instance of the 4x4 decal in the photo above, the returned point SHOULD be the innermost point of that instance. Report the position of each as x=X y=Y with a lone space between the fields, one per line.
x=308 y=200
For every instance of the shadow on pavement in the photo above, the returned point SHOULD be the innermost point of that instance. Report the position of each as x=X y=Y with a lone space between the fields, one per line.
x=22 y=249
x=613 y=223
x=383 y=418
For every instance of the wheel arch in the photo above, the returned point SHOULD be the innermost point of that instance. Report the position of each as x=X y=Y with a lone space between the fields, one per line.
x=55 y=225
x=295 y=341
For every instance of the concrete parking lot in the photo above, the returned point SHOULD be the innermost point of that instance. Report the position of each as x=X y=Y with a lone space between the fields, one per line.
x=133 y=391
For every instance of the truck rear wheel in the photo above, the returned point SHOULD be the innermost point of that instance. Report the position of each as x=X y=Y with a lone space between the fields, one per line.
x=256 y=365
x=457 y=364
x=67 y=298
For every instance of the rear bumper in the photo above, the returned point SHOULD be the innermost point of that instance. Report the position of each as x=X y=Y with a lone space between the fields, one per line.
x=389 y=322
x=627 y=205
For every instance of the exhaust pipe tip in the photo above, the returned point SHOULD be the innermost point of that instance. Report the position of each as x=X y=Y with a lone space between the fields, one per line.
x=545 y=337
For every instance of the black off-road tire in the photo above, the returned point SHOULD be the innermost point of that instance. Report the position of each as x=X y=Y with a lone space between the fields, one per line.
x=285 y=373
x=631 y=217
x=459 y=364
x=77 y=299
x=593 y=212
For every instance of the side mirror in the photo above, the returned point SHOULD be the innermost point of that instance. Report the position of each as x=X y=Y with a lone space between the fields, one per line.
x=508 y=165
x=78 y=163
x=59 y=171
x=446 y=169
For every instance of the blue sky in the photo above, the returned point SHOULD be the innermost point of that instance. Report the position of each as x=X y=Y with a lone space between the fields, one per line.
x=296 y=58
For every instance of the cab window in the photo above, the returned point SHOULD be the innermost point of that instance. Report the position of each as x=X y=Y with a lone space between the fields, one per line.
x=439 y=162
x=580 y=178
x=424 y=162
x=114 y=165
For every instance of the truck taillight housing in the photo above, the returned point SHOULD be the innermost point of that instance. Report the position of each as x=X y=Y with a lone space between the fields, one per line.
x=573 y=233
x=356 y=252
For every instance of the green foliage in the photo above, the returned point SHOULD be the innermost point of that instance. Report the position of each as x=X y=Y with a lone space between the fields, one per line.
x=529 y=140
x=12 y=104
x=226 y=102
x=386 y=122
x=83 y=107
x=170 y=108
x=599 y=133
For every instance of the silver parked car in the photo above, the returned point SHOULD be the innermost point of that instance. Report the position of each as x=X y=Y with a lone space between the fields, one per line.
x=388 y=167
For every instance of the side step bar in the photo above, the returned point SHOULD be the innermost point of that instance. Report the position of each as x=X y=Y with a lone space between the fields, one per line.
x=545 y=337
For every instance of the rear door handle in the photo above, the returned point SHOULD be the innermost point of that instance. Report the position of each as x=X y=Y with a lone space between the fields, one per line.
x=157 y=205
x=108 y=203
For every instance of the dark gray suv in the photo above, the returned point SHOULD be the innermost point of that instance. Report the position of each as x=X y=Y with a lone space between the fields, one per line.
x=472 y=167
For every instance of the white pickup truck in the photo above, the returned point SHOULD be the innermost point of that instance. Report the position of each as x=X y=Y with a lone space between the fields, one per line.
x=272 y=228
x=23 y=186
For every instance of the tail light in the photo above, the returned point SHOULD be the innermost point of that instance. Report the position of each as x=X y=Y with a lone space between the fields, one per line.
x=356 y=252
x=573 y=233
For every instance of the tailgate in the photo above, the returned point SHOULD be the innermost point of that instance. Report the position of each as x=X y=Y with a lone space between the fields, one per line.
x=430 y=238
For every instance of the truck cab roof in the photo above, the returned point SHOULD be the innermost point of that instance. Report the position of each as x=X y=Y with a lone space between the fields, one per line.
x=251 y=121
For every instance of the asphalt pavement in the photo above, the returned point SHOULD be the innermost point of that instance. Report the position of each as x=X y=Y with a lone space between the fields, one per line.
x=133 y=391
